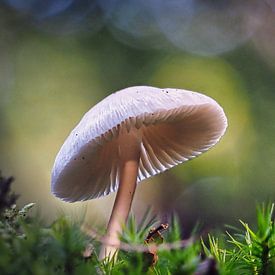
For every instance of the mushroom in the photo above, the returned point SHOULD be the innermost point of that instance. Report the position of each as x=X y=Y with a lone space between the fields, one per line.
x=129 y=136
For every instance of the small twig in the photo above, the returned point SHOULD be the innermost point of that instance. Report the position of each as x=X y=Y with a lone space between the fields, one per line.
x=153 y=238
x=136 y=247
x=156 y=232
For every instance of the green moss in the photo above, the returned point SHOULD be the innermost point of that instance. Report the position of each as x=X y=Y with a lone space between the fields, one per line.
x=27 y=246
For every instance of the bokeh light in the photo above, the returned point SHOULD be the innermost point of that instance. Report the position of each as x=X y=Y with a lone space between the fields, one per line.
x=59 y=58
x=207 y=27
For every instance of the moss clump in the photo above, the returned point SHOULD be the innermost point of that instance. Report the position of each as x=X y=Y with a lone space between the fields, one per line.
x=27 y=246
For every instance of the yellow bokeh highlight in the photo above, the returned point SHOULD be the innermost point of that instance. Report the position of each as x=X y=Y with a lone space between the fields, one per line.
x=217 y=79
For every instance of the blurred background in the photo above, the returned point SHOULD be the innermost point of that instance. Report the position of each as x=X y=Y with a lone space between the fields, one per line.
x=58 y=58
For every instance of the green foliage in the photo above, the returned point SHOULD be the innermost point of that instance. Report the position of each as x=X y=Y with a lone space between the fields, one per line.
x=27 y=246
x=184 y=259
x=250 y=251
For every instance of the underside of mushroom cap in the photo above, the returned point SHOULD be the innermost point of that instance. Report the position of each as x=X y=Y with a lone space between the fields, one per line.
x=175 y=126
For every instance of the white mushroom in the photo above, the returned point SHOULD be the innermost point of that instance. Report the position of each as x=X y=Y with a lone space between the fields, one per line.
x=131 y=135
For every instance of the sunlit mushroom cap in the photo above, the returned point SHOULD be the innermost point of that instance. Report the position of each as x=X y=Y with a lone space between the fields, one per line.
x=175 y=126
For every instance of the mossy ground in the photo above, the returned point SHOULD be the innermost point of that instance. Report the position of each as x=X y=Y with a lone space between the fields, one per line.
x=27 y=246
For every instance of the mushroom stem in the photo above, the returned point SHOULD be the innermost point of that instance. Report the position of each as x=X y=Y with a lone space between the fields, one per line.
x=129 y=154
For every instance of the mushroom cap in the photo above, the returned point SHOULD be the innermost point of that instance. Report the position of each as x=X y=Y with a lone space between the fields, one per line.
x=175 y=125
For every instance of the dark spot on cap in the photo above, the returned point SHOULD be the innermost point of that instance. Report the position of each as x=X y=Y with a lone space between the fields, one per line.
x=83 y=157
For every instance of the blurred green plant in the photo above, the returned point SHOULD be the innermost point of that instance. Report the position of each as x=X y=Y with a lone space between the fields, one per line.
x=7 y=198
x=27 y=246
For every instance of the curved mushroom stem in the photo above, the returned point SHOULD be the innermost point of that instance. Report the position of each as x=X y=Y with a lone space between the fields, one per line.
x=129 y=154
